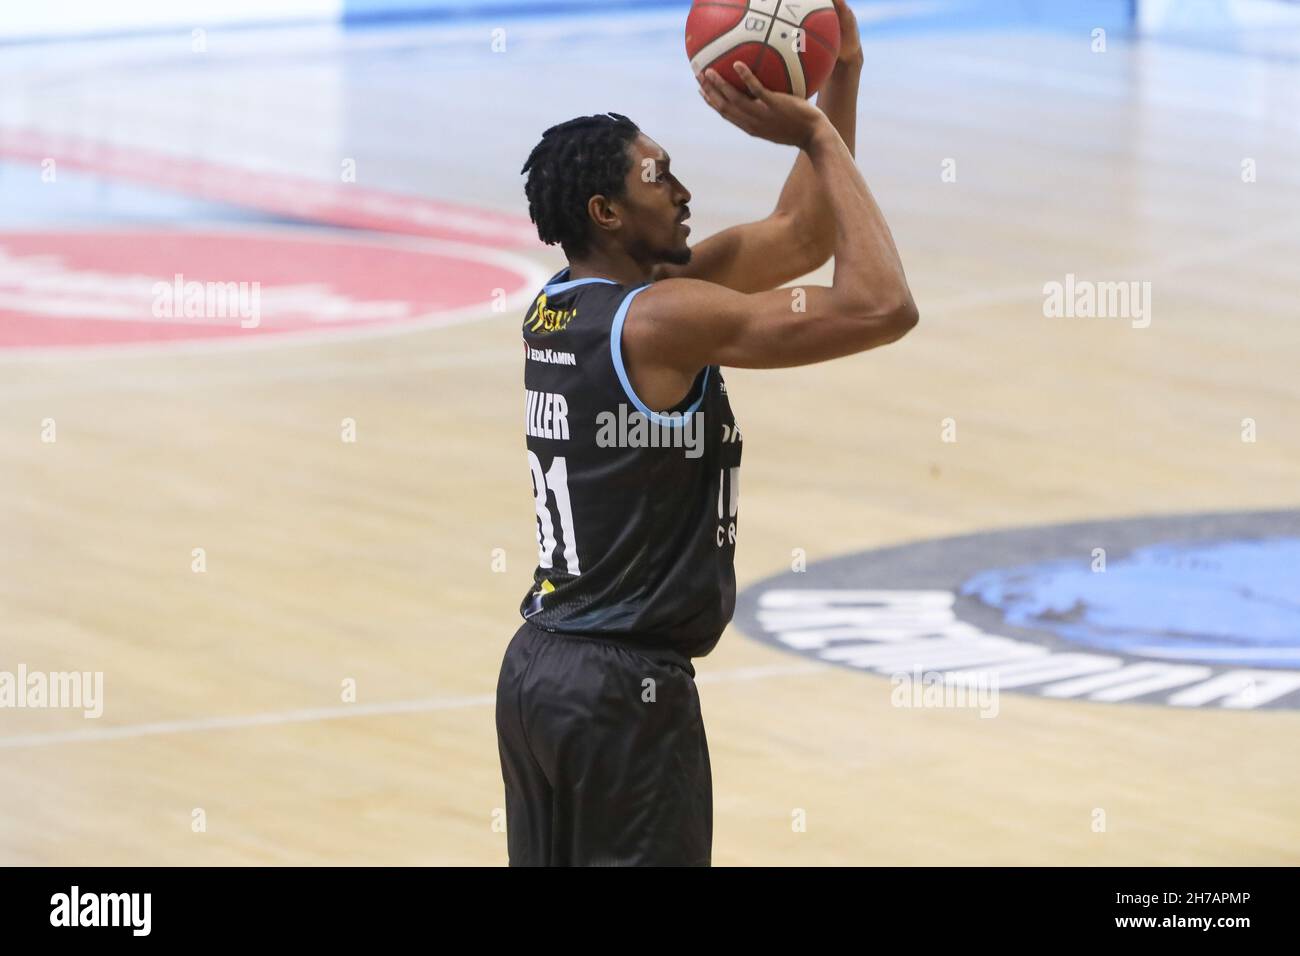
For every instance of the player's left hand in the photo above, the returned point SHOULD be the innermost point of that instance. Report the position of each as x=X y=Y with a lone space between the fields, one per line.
x=850 y=41
x=767 y=114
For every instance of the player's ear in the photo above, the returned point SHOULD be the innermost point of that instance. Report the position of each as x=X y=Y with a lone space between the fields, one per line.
x=605 y=214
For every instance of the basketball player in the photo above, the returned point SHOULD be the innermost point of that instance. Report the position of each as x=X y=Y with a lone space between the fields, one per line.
x=635 y=454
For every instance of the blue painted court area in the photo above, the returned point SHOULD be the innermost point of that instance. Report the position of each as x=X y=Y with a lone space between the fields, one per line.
x=1221 y=26
x=1221 y=602
x=885 y=16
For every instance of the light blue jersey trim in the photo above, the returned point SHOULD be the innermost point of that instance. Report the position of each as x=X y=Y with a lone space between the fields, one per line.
x=675 y=420
x=553 y=287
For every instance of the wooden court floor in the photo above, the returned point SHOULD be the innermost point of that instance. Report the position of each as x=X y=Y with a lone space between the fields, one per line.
x=397 y=562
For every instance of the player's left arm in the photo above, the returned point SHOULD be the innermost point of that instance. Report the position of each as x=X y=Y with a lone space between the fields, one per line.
x=799 y=235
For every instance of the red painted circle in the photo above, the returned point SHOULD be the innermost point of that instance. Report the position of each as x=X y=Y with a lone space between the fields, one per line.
x=78 y=289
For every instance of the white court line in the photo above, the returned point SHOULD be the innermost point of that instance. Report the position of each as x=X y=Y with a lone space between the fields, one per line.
x=311 y=715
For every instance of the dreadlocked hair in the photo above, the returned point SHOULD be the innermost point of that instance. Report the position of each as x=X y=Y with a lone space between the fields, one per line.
x=574 y=161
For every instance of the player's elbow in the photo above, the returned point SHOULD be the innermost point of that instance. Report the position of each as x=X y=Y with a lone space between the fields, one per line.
x=888 y=322
x=903 y=318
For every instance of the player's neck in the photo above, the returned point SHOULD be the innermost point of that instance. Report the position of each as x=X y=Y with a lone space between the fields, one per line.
x=621 y=268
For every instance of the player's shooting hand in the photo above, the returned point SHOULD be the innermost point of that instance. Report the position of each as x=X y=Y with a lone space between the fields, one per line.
x=777 y=117
x=850 y=41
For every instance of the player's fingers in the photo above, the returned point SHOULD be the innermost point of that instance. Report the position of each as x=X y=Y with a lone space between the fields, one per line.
x=722 y=89
x=749 y=79
x=756 y=88
x=712 y=98
x=729 y=113
x=701 y=86
x=731 y=104
x=704 y=95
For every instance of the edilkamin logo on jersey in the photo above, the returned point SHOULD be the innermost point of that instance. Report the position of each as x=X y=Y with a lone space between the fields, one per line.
x=630 y=428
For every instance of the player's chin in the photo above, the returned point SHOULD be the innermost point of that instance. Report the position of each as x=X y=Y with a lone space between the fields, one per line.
x=678 y=255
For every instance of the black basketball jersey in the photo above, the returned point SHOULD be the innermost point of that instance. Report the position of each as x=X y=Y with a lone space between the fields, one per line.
x=635 y=509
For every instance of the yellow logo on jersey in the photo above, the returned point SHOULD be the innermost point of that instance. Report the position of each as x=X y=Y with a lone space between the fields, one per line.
x=546 y=320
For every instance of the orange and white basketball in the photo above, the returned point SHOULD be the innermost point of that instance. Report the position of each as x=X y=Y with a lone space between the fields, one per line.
x=791 y=45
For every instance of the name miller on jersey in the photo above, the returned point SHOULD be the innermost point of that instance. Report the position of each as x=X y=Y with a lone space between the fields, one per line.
x=546 y=415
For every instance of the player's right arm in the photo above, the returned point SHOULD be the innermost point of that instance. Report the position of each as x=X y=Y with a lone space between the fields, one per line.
x=679 y=325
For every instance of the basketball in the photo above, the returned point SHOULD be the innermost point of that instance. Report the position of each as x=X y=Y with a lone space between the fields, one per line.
x=790 y=46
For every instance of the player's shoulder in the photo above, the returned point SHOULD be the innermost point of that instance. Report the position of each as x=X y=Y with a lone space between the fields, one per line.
x=677 y=287
x=659 y=301
x=673 y=322
x=680 y=300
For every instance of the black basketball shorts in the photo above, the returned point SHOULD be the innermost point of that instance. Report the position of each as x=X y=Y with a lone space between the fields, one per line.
x=603 y=755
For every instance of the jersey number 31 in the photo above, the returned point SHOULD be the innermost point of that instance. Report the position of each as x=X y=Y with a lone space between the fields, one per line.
x=556 y=480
